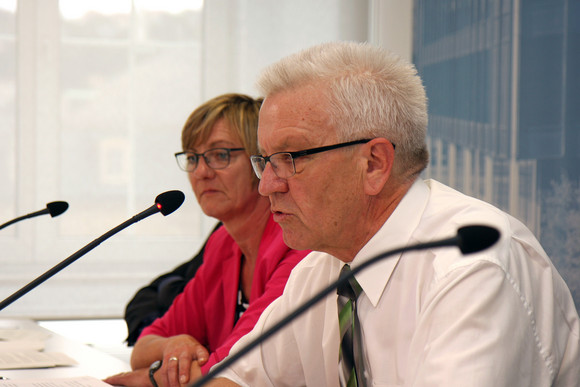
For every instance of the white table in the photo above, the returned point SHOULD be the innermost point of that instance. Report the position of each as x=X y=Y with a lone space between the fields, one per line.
x=91 y=362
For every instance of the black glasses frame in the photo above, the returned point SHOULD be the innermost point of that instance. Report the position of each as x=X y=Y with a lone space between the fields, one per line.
x=294 y=155
x=198 y=155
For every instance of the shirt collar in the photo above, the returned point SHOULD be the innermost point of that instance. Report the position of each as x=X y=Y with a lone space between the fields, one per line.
x=395 y=233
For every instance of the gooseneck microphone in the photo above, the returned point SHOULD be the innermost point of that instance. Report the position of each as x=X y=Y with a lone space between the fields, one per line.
x=165 y=203
x=52 y=208
x=469 y=239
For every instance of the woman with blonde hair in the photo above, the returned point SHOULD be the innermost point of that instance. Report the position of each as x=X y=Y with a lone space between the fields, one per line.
x=246 y=262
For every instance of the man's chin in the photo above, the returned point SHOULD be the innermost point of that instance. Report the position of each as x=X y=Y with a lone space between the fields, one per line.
x=295 y=240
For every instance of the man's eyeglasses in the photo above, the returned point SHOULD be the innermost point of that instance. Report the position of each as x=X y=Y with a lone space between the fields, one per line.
x=283 y=162
x=217 y=158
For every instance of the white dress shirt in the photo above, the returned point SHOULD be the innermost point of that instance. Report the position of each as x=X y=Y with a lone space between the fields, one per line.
x=501 y=317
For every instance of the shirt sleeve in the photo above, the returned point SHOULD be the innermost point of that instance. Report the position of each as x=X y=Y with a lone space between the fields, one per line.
x=456 y=343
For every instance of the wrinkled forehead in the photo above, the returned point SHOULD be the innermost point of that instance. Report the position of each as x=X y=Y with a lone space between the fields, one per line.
x=294 y=120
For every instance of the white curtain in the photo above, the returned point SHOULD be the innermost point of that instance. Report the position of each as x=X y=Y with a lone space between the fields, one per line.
x=93 y=95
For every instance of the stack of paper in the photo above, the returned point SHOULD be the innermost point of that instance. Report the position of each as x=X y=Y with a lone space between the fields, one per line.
x=21 y=348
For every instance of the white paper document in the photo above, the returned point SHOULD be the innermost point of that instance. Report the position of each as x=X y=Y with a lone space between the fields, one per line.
x=23 y=334
x=82 y=381
x=33 y=359
x=22 y=339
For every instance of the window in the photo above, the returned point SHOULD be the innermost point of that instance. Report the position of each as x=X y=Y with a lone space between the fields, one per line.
x=93 y=96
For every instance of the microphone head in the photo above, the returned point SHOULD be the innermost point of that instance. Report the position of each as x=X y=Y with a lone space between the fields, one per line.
x=169 y=201
x=56 y=208
x=473 y=239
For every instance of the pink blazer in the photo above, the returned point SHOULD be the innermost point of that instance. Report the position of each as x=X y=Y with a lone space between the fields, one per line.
x=206 y=308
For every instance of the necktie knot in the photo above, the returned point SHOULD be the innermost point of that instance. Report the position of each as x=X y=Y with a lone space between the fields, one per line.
x=350 y=289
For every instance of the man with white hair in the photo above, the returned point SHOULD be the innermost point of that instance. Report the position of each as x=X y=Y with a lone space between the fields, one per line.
x=342 y=140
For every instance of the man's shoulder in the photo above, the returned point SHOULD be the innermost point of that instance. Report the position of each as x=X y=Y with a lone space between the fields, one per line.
x=448 y=209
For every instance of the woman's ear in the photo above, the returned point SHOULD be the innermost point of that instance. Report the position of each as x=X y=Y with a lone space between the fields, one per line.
x=379 y=156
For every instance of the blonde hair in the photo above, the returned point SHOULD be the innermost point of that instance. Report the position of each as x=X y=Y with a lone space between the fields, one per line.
x=240 y=112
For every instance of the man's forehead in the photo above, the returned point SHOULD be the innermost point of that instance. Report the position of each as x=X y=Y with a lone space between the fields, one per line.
x=288 y=122
x=302 y=106
x=285 y=139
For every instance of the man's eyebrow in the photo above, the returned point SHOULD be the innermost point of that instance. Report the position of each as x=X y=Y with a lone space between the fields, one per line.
x=289 y=143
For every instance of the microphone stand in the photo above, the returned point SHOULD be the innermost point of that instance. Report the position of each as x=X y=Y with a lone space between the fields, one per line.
x=52 y=208
x=165 y=203
x=469 y=239
x=21 y=218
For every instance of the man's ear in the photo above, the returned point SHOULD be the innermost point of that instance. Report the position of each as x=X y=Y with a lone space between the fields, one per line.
x=379 y=156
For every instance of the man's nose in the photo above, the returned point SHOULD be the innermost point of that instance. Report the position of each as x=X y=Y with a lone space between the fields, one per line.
x=270 y=183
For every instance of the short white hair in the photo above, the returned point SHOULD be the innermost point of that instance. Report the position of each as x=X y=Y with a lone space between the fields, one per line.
x=371 y=93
